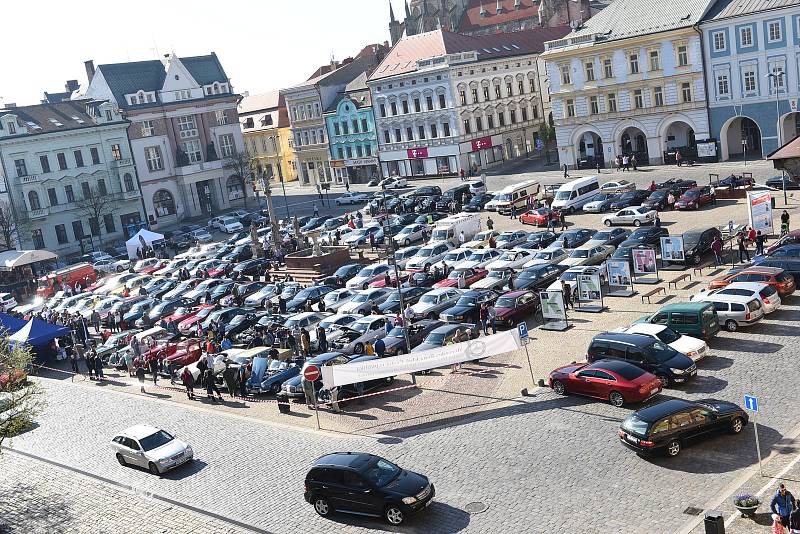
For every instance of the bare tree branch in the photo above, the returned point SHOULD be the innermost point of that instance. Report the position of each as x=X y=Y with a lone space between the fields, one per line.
x=13 y=227
x=95 y=207
x=20 y=399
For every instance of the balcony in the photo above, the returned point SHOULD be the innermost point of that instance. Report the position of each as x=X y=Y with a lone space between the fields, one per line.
x=124 y=162
x=200 y=166
x=41 y=213
x=29 y=178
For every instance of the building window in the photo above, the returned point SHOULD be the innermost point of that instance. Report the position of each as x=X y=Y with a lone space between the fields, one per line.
x=227 y=148
x=163 y=203
x=45 y=164
x=52 y=197
x=594 y=106
x=446 y=129
x=62 y=161
x=87 y=192
x=434 y=132
x=404 y=105
x=442 y=103
x=497 y=93
x=421 y=131
x=359 y=151
x=95 y=155
x=61 y=234
x=364 y=125
x=521 y=87
x=501 y=118
x=474 y=95
x=778 y=77
x=345 y=128
x=612 y=102
x=78 y=158
x=101 y=187
x=386 y=137
x=192 y=151
x=116 y=152
x=478 y=124
x=658 y=96
x=12 y=128
x=235 y=187
x=429 y=103
x=94 y=226
x=349 y=152
x=686 y=92
x=128 y=179
x=566 y=79
x=750 y=81
x=187 y=127
x=382 y=110
x=467 y=127
x=69 y=193
x=638 y=99
x=109 y=116
x=393 y=107
x=221 y=117
x=77 y=230
x=147 y=128
x=590 y=71
x=108 y=220
x=153 y=156
x=746 y=36
x=633 y=63
x=21 y=168
x=723 y=88
x=417 y=108
x=655 y=60
x=38 y=239
x=512 y=114
x=719 y=41
x=608 y=68
x=774 y=31
x=490 y=121
x=509 y=89
x=340 y=151
x=336 y=129
x=570 y=108
x=355 y=125
x=33 y=200
x=368 y=150
x=409 y=133
x=683 y=55
x=525 y=113
x=398 y=137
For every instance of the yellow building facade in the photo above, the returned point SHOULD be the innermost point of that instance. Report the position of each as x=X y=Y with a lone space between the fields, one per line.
x=267 y=136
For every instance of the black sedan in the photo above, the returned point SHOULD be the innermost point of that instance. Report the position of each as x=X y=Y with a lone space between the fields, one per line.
x=435 y=216
x=395 y=340
x=631 y=198
x=646 y=237
x=658 y=199
x=427 y=204
x=542 y=239
x=240 y=253
x=307 y=296
x=411 y=296
x=679 y=186
x=315 y=223
x=478 y=202
x=575 y=237
x=782 y=182
x=345 y=272
x=468 y=305
x=670 y=425
x=403 y=219
x=423 y=279
x=251 y=267
x=611 y=236
x=734 y=181
x=538 y=276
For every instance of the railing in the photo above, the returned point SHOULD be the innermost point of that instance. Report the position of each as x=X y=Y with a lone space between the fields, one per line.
x=124 y=162
x=29 y=178
x=39 y=214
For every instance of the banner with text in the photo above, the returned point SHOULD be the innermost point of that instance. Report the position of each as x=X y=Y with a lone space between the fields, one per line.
x=672 y=249
x=553 y=305
x=759 y=204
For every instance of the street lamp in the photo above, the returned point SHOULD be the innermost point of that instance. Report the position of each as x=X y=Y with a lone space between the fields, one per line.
x=283 y=186
x=744 y=151
x=776 y=77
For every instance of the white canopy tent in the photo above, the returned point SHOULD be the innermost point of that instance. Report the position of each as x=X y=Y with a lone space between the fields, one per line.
x=142 y=237
x=16 y=258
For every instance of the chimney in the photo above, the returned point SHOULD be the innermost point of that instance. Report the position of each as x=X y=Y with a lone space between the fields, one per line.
x=89 y=69
x=72 y=85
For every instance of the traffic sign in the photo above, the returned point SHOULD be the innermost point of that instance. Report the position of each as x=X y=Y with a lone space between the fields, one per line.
x=751 y=403
x=311 y=373
x=522 y=328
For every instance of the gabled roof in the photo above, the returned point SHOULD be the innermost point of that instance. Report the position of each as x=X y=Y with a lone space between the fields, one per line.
x=629 y=18
x=205 y=69
x=127 y=78
x=787 y=151
x=70 y=114
x=472 y=19
x=410 y=49
x=350 y=69
x=260 y=102
x=724 y=9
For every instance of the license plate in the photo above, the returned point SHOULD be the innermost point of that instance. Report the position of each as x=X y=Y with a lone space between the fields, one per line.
x=428 y=503
x=654 y=391
x=693 y=372
x=631 y=439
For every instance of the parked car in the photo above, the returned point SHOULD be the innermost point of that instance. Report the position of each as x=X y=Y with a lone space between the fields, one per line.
x=631 y=198
x=573 y=238
x=479 y=258
x=481 y=239
x=610 y=236
x=229 y=225
x=694 y=348
x=478 y=202
x=538 y=276
x=514 y=307
x=411 y=296
x=337 y=298
x=601 y=202
x=670 y=425
x=428 y=255
x=658 y=200
x=695 y=198
x=362 y=301
x=637 y=216
x=646 y=237
x=617 y=186
x=393 y=493
x=734 y=181
x=268 y=375
x=309 y=295
x=462 y=278
x=444 y=334
x=156 y=450
x=733 y=311
x=410 y=234
x=542 y=239
x=782 y=182
x=201 y=236
x=697 y=319
x=511 y=259
x=588 y=255
x=395 y=340
x=435 y=301
x=697 y=244
x=494 y=279
x=775 y=277
x=616 y=381
x=367 y=275
x=510 y=239
x=357 y=334
x=467 y=307
x=539 y=216
x=351 y=197
x=293 y=387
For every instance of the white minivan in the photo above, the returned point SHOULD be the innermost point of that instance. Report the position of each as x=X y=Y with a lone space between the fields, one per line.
x=574 y=194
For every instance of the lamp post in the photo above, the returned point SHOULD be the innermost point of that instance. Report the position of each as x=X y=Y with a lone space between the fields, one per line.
x=283 y=186
x=776 y=78
x=744 y=151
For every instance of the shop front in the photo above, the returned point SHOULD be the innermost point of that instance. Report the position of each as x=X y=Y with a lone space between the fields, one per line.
x=420 y=162
x=356 y=170
x=479 y=154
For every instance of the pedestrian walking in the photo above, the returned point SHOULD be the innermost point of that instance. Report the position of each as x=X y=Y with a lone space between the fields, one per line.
x=243 y=375
x=760 y=240
x=322 y=339
x=678 y=158
x=716 y=248
x=73 y=359
x=562 y=218
x=784 y=222
x=140 y=377
x=566 y=291
x=483 y=316
x=154 y=370
x=229 y=377
x=89 y=360
x=491 y=316
x=95 y=320
x=633 y=161
x=380 y=348
x=188 y=381
x=98 y=364
x=782 y=504
x=626 y=161
x=513 y=212
x=211 y=386
x=566 y=172
x=657 y=220
x=372 y=241
x=741 y=241
x=490 y=223
x=305 y=342
x=316 y=210
x=670 y=200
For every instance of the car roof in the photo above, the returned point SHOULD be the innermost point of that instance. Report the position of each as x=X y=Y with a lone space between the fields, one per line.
x=353 y=460
x=681 y=306
x=515 y=293
x=447 y=328
x=303 y=315
x=644 y=328
x=439 y=290
x=324 y=357
x=139 y=431
x=653 y=413
x=631 y=339
x=763 y=269
x=615 y=366
x=752 y=286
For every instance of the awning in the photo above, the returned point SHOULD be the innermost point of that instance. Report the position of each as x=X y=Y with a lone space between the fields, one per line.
x=16 y=258
x=34 y=332
x=141 y=238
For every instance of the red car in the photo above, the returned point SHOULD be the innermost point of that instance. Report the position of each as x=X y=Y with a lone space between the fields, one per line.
x=539 y=216
x=186 y=327
x=183 y=313
x=694 y=198
x=381 y=282
x=616 y=381
x=153 y=268
x=470 y=277
x=515 y=306
x=185 y=352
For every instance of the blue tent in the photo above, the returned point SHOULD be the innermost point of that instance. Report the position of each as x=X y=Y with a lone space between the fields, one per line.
x=34 y=332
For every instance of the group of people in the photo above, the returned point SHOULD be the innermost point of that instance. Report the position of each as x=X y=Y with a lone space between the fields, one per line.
x=625 y=162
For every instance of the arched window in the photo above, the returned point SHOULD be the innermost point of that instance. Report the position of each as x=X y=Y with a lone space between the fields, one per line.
x=163 y=203
x=235 y=188
x=128 y=179
x=33 y=200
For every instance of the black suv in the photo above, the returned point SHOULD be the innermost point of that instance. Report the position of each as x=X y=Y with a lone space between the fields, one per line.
x=650 y=354
x=426 y=191
x=646 y=237
x=697 y=243
x=365 y=484
x=668 y=426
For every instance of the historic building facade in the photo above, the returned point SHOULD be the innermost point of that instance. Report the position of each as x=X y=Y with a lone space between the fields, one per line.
x=630 y=81
x=267 y=136
x=68 y=176
x=752 y=62
x=184 y=133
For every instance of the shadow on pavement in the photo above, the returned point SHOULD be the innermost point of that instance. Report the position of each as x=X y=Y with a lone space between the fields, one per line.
x=705 y=384
x=715 y=363
x=745 y=345
x=186 y=470
x=773 y=329
x=439 y=518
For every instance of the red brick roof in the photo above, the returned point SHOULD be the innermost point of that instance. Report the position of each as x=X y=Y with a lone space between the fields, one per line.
x=787 y=151
x=473 y=20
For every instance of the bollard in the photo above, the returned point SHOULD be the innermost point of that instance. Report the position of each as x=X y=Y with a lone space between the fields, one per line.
x=283 y=403
x=714 y=522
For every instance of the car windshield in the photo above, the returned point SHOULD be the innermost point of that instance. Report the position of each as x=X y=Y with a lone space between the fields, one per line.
x=361 y=326
x=204 y=312
x=661 y=353
x=569 y=276
x=657 y=195
x=289 y=292
x=641 y=234
x=506 y=302
x=407 y=230
x=563 y=195
x=602 y=235
x=529 y=275
x=503 y=198
x=483 y=236
x=508 y=256
x=435 y=339
x=467 y=301
x=635 y=425
x=579 y=253
x=668 y=335
x=361 y=297
x=692 y=194
x=140 y=306
x=690 y=240
x=381 y=473
x=425 y=252
x=496 y=274
x=428 y=299
x=397 y=331
x=154 y=441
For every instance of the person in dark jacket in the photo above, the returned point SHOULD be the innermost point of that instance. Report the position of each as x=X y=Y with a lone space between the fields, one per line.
x=140 y=377
x=154 y=370
x=794 y=520
x=188 y=381
x=783 y=504
x=322 y=340
x=211 y=386
x=229 y=376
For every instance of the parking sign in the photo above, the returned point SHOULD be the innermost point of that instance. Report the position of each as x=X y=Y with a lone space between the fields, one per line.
x=522 y=328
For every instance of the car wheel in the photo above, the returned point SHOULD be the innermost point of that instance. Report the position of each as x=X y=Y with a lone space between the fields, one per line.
x=275 y=388
x=571 y=210
x=431 y=316
x=338 y=203
x=400 y=352
x=322 y=507
x=697 y=259
x=365 y=286
x=673 y=448
x=664 y=379
x=559 y=388
x=153 y=468
x=607 y=222
x=359 y=348
x=393 y=515
x=407 y=242
x=637 y=223
x=121 y=460
x=737 y=425
x=616 y=399
x=731 y=325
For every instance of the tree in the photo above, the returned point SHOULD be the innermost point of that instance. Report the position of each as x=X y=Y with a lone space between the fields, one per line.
x=242 y=165
x=20 y=399
x=13 y=227
x=95 y=206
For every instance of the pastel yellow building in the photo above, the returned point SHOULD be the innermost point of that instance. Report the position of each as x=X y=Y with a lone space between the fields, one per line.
x=267 y=135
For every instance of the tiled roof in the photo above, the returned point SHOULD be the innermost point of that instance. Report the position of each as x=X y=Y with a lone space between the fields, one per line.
x=473 y=20
x=259 y=102
x=724 y=9
x=205 y=69
x=70 y=114
x=789 y=150
x=127 y=78
x=365 y=61
x=410 y=49
x=629 y=18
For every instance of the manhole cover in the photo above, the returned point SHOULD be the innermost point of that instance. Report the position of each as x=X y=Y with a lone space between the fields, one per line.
x=693 y=511
x=476 y=507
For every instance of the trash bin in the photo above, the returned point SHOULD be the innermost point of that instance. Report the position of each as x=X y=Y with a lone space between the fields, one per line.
x=772 y=201
x=283 y=403
x=714 y=522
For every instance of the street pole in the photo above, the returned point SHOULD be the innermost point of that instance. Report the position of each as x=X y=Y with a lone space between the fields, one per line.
x=744 y=151
x=283 y=186
x=758 y=446
x=530 y=367
x=273 y=220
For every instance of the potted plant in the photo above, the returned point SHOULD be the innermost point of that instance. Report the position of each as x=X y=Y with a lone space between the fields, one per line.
x=746 y=503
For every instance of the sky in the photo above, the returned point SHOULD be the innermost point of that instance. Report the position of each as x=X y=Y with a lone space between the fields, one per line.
x=263 y=45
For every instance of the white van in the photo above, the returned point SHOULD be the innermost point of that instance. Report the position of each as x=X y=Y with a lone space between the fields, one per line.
x=573 y=195
x=514 y=195
x=450 y=228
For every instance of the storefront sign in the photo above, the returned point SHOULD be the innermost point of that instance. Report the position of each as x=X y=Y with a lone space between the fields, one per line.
x=672 y=249
x=706 y=150
x=483 y=142
x=417 y=153
x=337 y=163
x=760 y=211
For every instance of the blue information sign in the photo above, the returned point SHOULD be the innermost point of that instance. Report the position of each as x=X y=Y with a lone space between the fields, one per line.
x=751 y=403
x=522 y=328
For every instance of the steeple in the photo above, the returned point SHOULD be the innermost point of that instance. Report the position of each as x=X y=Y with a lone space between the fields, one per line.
x=408 y=11
x=391 y=12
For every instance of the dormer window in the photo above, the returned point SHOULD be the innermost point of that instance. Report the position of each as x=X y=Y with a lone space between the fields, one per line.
x=109 y=115
x=12 y=128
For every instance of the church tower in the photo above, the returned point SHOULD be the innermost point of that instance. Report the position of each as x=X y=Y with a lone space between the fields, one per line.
x=395 y=27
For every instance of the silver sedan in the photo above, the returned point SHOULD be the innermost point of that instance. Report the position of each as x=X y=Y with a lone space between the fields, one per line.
x=149 y=447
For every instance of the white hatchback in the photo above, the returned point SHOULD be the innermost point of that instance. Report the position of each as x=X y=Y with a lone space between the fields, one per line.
x=694 y=348
x=149 y=447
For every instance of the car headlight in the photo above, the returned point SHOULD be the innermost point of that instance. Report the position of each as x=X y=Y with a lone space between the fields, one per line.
x=409 y=500
x=189 y=451
x=163 y=461
x=677 y=371
x=691 y=353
